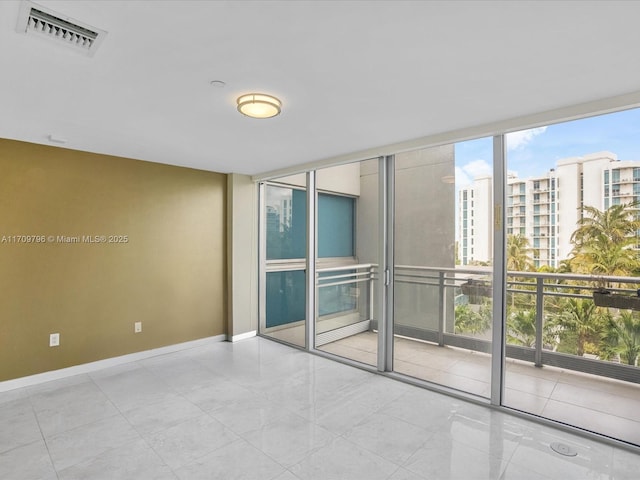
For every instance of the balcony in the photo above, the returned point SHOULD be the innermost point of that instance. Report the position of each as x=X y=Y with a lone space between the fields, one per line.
x=542 y=377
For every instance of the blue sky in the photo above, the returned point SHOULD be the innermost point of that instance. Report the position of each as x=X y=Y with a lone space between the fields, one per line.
x=533 y=152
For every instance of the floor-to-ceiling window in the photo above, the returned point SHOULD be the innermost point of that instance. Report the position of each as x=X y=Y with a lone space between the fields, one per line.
x=572 y=355
x=512 y=279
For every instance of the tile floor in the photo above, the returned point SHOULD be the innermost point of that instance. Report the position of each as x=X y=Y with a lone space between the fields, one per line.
x=259 y=410
x=606 y=406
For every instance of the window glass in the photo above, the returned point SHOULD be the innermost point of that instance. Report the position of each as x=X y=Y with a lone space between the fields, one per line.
x=335 y=225
x=286 y=222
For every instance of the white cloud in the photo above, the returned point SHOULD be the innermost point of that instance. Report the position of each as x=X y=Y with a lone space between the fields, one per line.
x=462 y=179
x=467 y=173
x=478 y=168
x=518 y=140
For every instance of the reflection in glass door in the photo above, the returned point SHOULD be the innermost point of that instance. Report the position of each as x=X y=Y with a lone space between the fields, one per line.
x=347 y=232
x=442 y=270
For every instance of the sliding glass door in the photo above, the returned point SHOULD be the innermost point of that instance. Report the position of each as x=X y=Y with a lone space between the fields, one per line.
x=347 y=232
x=284 y=255
x=442 y=244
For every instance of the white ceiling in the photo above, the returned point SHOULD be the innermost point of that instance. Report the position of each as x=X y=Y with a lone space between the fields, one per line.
x=351 y=75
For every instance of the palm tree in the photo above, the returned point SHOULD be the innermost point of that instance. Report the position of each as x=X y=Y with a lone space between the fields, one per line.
x=623 y=337
x=521 y=328
x=519 y=253
x=603 y=240
x=581 y=317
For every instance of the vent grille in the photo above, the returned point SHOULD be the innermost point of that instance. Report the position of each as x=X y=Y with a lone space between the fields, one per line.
x=56 y=27
x=34 y=19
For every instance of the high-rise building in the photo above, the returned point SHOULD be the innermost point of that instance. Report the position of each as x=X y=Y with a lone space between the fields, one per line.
x=475 y=215
x=545 y=209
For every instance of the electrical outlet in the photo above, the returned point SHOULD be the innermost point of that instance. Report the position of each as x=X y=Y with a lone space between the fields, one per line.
x=54 y=339
x=137 y=327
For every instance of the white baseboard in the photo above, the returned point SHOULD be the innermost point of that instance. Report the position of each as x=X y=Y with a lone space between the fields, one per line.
x=107 y=362
x=242 y=336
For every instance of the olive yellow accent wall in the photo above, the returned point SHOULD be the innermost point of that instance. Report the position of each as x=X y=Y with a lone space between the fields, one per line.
x=90 y=244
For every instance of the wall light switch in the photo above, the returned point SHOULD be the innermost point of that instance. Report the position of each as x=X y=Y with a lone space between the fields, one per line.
x=137 y=327
x=54 y=339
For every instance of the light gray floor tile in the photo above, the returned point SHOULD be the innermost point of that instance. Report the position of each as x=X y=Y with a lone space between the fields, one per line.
x=593 y=460
x=115 y=370
x=339 y=416
x=388 y=437
x=13 y=395
x=404 y=474
x=248 y=414
x=71 y=406
x=236 y=461
x=55 y=385
x=626 y=465
x=134 y=388
x=289 y=439
x=219 y=394
x=341 y=460
x=424 y=409
x=444 y=458
x=162 y=415
x=516 y=472
x=83 y=443
x=183 y=443
x=18 y=424
x=494 y=435
x=133 y=461
x=287 y=475
x=181 y=373
x=28 y=462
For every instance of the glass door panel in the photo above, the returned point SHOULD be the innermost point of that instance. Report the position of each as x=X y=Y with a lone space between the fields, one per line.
x=285 y=223
x=347 y=251
x=442 y=265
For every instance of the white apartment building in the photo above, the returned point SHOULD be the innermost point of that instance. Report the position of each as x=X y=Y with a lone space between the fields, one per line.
x=475 y=217
x=545 y=209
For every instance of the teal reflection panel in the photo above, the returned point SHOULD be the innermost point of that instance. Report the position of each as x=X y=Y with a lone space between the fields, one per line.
x=286 y=219
x=285 y=297
x=336 y=215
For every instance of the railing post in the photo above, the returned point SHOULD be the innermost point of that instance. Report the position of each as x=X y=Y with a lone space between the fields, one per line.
x=539 y=320
x=441 y=304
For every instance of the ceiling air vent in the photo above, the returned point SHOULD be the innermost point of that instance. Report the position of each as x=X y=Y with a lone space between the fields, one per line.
x=35 y=19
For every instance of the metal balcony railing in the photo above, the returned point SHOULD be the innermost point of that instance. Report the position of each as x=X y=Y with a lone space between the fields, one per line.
x=443 y=287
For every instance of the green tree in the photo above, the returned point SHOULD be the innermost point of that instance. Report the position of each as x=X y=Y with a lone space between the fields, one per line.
x=581 y=319
x=603 y=240
x=519 y=254
x=521 y=328
x=468 y=320
x=623 y=337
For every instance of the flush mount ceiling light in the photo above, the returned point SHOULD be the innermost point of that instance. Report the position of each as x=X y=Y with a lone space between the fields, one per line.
x=259 y=105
